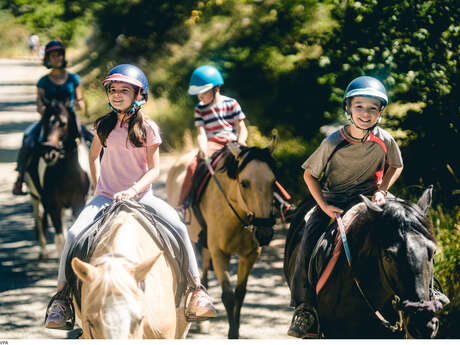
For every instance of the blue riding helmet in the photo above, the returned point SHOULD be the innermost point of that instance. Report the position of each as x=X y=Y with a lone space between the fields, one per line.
x=203 y=79
x=53 y=45
x=366 y=87
x=129 y=74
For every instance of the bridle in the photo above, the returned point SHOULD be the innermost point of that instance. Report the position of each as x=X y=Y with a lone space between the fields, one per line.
x=252 y=221
x=398 y=326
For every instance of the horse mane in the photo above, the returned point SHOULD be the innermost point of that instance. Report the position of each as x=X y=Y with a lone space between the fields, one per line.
x=114 y=277
x=398 y=218
x=230 y=163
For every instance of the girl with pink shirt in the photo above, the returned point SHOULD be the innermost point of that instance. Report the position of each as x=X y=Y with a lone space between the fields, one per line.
x=128 y=167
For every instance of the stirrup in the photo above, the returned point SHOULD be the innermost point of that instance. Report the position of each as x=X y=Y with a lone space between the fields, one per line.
x=63 y=295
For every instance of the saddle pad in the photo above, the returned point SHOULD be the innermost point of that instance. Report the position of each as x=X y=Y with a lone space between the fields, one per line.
x=157 y=227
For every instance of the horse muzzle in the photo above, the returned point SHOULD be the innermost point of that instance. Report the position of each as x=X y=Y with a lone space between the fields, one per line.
x=420 y=321
x=263 y=230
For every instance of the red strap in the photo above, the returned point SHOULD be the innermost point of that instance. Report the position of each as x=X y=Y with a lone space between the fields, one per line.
x=283 y=191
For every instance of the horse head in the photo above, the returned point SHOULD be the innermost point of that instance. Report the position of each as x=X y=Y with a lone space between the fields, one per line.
x=59 y=130
x=253 y=169
x=114 y=305
x=400 y=236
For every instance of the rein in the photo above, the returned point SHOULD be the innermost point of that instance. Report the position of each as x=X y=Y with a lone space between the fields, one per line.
x=398 y=326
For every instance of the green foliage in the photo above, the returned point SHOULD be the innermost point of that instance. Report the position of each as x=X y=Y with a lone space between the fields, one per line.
x=47 y=18
x=447 y=266
x=13 y=37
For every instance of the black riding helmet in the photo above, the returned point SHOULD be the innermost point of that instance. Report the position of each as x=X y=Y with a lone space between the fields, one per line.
x=54 y=45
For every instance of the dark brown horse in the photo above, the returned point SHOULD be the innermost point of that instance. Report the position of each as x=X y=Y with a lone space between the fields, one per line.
x=55 y=177
x=387 y=290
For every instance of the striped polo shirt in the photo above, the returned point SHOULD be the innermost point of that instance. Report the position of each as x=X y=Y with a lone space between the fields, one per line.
x=219 y=118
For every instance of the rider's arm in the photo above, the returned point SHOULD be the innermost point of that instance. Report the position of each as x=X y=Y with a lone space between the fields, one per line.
x=390 y=177
x=202 y=139
x=315 y=190
x=242 y=132
x=94 y=163
x=79 y=104
x=153 y=161
x=40 y=105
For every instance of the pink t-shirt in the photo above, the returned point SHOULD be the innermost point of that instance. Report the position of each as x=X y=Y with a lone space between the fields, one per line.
x=123 y=164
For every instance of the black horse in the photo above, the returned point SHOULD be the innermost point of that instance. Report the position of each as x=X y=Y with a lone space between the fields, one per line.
x=387 y=291
x=55 y=177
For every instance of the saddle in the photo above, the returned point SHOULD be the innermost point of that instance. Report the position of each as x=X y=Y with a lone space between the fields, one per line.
x=157 y=227
x=200 y=181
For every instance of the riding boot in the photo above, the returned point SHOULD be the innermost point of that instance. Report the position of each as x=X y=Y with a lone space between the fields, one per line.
x=305 y=323
x=60 y=313
x=200 y=307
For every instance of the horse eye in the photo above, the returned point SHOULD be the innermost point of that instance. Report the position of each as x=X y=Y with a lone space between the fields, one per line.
x=245 y=184
x=387 y=256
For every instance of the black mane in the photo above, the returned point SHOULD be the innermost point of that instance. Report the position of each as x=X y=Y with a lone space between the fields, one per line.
x=398 y=217
x=230 y=163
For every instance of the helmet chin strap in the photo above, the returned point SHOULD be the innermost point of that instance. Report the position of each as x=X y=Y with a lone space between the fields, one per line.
x=365 y=131
x=127 y=114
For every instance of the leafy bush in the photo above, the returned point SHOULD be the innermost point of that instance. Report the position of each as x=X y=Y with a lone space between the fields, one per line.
x=447 y=266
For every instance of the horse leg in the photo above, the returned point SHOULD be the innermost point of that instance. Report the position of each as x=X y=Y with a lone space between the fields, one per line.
x=205 y=264
x=55 y=212
x=40 y=226
x=221 y=263
x=245 y=265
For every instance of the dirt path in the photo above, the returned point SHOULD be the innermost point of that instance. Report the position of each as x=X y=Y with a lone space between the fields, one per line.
x=27 y=284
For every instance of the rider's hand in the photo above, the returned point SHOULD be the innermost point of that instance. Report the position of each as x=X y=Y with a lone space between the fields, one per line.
x=201 y=154
x=379 y=197
x=125 y=194
x=331 y=210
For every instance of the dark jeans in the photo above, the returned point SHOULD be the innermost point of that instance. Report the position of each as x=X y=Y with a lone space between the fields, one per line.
x=32 y=136
x=301 y=290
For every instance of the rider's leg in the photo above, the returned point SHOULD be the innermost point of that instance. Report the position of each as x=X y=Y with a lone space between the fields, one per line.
x=29 y=141
x=303 y=296
x=200 y=304
x=59 y=311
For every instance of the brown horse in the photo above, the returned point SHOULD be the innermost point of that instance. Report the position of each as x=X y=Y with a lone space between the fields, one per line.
x=246 y=176
x=128 y=287
x=55 y=177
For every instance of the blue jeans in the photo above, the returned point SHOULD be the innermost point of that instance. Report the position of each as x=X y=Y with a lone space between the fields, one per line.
x=89 y=213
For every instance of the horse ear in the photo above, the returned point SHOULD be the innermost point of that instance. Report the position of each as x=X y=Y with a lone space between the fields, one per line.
x=271 y=145
x=141 y=270
x=425 y=200
x=86 y=272
x=372 y=207
x=234 y=148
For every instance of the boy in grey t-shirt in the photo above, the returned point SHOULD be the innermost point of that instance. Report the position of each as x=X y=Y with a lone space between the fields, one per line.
x=359 y=158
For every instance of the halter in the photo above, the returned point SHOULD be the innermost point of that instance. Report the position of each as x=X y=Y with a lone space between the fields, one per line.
x=253 y=221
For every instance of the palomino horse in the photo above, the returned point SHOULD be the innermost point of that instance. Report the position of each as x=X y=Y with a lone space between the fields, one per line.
x=55 y=177
x=128 y=287
x=246 y=176
x=387 y=290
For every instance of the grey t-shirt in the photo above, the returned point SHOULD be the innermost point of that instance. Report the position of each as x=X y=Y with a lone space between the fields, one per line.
x=356 y=167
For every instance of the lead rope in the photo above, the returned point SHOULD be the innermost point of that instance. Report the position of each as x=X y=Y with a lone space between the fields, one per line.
x=398 y=326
